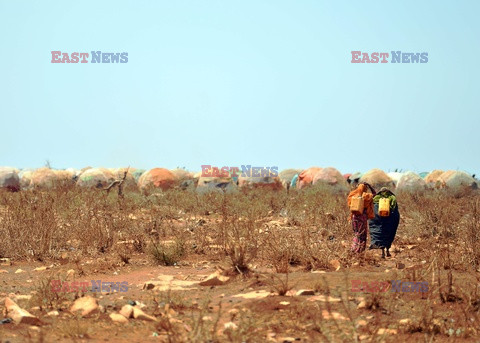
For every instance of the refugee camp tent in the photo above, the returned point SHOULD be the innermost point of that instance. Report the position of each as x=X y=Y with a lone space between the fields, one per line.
x=433 y=179
x=182 y=174
x=377 y=179
x=95 y=178
x=137 y=173
x=9 y=179
x=331 y=177
x=44 y=178
x=267 y=182
x=423 y=175
x=306 y=177
x=354 y=178
x=287 y=175
x=411 y=182
x=156 y=179
x=395 y=176
x=457 y=181
x=129 y=184
x=66 y=177
x=216 y=184
x=25 y=176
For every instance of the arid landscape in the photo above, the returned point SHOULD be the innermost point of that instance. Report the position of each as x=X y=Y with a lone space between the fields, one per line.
x=257 y=265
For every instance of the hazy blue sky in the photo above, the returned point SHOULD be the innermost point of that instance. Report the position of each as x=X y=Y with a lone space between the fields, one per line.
x=266 y=83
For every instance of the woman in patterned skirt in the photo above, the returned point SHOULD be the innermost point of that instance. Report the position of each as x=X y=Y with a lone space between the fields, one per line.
x=360 y=221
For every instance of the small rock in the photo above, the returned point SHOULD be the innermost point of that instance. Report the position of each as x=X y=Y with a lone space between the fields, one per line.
x=139 y=314
x=287 y=339
x=86 y=304
x=335 y=264
x=3 y=271
x=127 y=311
x=53 y=313
x=324 y=298
x=19 y=315
x=118 y=318
x=284 y=303
x=305 y=292
x=5 y=261
x=319 y=272
x=20 y=297
x=405 y=321
x=70 y=274
x=40 y=269
x=400 y=265
x=18 y=271
x=253 y=295
x=333 y=315
x=151 y=285
x=230 y=326
x=383 y=331
x=362 y=322
x=215 y=279
x=207 y=319
x=362 y=305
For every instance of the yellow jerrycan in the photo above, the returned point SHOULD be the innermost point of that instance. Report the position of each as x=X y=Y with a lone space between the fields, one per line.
x=356 y=205
x=384 y=207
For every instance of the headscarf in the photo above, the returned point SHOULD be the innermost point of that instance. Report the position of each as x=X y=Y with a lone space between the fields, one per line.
x=367 y=199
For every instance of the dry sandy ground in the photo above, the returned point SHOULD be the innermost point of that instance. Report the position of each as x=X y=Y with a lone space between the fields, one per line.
x=260 y=316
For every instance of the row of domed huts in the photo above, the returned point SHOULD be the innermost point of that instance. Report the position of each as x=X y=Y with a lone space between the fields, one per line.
x=163 y=179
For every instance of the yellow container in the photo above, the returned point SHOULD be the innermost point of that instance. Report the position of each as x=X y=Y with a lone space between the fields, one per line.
x=384 y=207
x=356 y=205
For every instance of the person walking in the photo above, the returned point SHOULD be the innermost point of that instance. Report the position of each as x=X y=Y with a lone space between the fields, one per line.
x=360 y=220
x=383 y=227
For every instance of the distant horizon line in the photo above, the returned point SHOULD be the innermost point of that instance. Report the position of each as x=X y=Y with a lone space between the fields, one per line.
x=389 y=170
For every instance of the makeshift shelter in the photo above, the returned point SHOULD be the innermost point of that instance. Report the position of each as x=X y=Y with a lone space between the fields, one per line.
x=305 y=178
x=25 y=176
x=457 y=181
x=182 y=174
x=267 y=182
x=129 y=184
x=287 y=175
x=95 y=178
x=156 y=179
x=433 y=179
x=353 y=179
x=216 y=184
x=423 y=175
x=9 y=179
x=377 y=179
x=137 y=173
x=44 y=178
x=395 y=176
x=411 y=182
x=66 y=177
x=331 y=177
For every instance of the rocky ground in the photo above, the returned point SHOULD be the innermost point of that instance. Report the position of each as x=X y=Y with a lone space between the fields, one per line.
x=196 y=301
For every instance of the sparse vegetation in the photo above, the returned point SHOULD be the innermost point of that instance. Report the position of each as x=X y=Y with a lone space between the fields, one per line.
x=277 y=237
